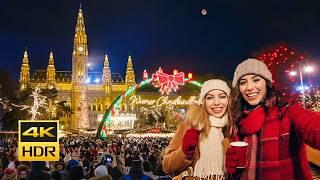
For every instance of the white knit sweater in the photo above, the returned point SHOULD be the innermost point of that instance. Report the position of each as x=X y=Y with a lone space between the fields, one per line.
x=211 y=162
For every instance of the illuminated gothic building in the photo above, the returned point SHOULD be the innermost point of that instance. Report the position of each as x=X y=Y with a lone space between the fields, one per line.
x=101 y=88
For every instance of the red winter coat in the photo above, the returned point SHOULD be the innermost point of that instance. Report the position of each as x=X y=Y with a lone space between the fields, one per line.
x=281 y=151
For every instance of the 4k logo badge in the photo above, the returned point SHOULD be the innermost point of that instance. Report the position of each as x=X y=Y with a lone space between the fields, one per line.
x=38 y=140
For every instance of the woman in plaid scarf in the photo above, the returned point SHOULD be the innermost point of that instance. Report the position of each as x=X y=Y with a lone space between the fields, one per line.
x=276 y=132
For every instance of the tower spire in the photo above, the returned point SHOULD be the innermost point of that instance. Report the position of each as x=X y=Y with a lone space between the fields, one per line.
x=25 y=57
x=80 y=51
x=80 y=38
x=106 y=61
x=51 y=71
x=130 y=76
x=25 y=71
x=106 y=79
x=51 y=60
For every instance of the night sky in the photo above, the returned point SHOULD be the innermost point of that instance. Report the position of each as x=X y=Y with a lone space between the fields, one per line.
x=166 y=33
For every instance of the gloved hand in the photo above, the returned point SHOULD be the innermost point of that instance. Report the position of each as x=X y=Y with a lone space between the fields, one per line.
x=190 y=142
x=232 y=160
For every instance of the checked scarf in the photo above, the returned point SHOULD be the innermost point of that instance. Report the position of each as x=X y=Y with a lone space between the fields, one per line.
x=249 y=128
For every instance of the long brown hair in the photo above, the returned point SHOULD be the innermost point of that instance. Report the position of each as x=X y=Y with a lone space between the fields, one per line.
x=237 y=105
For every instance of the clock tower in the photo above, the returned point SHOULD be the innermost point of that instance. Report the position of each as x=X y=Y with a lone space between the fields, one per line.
x=80 y=52
x=79 y=67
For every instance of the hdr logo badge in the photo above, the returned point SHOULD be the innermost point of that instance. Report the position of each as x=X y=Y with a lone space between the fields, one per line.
x=38 y=140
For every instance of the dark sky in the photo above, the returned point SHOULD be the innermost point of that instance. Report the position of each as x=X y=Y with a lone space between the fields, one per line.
x=167 y=33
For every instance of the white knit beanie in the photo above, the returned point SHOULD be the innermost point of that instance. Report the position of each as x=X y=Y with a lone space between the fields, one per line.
x=213 y=84
x=251 y=66
x=101 y=171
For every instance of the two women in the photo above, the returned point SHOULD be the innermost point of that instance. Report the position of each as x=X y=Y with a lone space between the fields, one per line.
x=197 y=143
x=276 y=132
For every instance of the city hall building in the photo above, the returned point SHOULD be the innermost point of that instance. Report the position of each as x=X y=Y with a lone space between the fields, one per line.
x=100 y=88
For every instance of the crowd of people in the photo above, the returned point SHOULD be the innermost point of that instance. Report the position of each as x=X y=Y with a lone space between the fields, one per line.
x=84 y=157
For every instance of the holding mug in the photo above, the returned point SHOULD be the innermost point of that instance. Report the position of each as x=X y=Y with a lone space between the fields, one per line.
x=241 y=149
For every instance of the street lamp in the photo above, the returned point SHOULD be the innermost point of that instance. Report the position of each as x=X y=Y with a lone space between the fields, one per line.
x=307 y=69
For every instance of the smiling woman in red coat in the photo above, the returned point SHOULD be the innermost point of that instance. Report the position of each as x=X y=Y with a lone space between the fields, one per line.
x=198 y=141
x=276 y=132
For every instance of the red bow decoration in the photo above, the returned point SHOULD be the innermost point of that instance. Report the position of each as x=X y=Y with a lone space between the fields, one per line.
x=168 y=82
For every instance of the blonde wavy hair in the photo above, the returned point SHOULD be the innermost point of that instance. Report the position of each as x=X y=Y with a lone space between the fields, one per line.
x=198 y=117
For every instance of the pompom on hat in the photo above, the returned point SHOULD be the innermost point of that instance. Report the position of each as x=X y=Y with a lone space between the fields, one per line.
x=213 y=84
x=251 y=66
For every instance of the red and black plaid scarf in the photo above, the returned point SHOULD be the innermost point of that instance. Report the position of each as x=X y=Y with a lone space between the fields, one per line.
x=249 y=127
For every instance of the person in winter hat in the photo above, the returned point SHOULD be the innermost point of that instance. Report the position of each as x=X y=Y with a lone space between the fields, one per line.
x=101 y=173
x=72 y=163
x=23 y=171
x=198 y=146
x=276 y=131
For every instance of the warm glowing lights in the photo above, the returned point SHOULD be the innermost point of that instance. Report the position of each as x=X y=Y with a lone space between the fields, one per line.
x=83 y=112
x=293 y=73
x=308 y=69
x=145 y=75
x=123 y=120
x=161 y=101
x=39 y=101
x=107 y=122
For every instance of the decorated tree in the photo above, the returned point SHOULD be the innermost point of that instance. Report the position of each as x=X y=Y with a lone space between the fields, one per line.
x=281 y=60
x=83 y=112
x=312 y=99
x=38 y=104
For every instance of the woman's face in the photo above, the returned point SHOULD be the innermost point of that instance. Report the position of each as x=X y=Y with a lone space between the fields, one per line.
x=216 y=102
x=253 y=89
x=23 y=174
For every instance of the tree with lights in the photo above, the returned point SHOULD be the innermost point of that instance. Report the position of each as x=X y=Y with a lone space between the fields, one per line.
x=39 y=102
x=83 y=112
x=281 y=59
x=312 y=99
